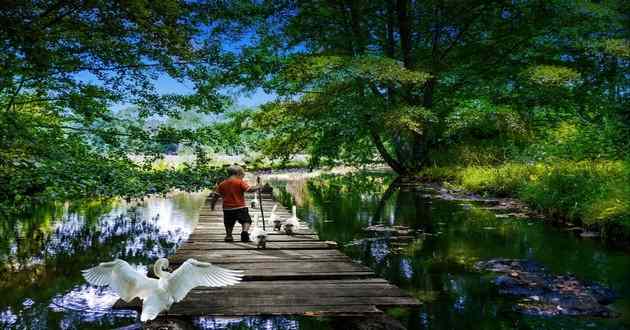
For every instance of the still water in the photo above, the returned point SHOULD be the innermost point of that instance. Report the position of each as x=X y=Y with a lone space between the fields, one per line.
x=41 y=256
x=437 y=268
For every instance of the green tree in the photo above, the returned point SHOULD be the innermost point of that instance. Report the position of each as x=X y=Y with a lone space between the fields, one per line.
x=65 y=64
x=401 y=78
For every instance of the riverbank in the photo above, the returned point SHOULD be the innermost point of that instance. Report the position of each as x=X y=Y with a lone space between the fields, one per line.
x=590 y=194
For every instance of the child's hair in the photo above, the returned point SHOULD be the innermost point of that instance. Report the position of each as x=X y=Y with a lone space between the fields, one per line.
x=235 y=170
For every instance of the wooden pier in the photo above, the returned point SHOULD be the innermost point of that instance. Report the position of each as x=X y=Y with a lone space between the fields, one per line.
x=295 y=275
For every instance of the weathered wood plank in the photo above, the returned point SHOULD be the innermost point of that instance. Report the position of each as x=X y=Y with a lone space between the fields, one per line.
x=225 y=256
x=221 y=232
x=287 y=270
x=310 y=311
x=197 y=236
x=295 y=245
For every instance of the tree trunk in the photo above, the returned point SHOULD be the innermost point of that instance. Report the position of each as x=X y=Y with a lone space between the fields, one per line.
x=402 y=7
x=393 y=187
x=393 y=163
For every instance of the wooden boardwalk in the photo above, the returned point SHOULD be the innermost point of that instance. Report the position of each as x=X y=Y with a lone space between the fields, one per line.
x=294 y=275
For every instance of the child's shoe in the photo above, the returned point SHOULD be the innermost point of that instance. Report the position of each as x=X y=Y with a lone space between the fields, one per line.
x=228 y=238
x=245 y=237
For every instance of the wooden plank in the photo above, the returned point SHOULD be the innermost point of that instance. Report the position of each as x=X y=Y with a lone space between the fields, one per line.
x=310 y=311
x=286 y=305
x=221 y=231
x=295 y=245
x=258 y=256
x=279 y=270
x=229 y=256
x=314 y=266
x=276 y=237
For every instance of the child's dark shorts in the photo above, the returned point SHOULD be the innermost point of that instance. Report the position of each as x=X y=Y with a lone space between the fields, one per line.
x=231 y=216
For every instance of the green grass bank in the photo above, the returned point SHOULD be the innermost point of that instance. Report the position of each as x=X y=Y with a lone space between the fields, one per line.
x=595 y=194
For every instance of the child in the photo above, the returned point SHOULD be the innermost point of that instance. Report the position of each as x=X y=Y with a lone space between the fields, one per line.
x=234 y=208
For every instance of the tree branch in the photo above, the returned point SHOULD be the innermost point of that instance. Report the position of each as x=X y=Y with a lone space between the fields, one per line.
x=393 y=163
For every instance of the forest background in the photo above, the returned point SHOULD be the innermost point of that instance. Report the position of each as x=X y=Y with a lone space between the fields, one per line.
x=528 y=99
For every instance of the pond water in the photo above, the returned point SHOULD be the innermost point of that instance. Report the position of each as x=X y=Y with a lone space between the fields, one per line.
x=438 y=269
x=41 y=256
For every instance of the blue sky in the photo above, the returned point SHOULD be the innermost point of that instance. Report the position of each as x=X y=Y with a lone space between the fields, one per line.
x=167 y=85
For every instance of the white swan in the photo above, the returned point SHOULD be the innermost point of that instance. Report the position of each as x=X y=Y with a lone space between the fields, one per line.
x=159 y=294
x=258 y=234
x=275 y=219
x=254 y=203
x=292 y=223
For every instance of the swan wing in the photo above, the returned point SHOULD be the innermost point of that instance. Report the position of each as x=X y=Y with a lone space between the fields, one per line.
x=151 y=307
x=126 y=281
x=193 y=273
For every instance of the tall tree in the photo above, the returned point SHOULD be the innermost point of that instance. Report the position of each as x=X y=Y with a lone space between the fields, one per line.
x=65 y=63
x=401 y=78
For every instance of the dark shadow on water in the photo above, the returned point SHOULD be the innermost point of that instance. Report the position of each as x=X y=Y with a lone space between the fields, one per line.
x=437 y=268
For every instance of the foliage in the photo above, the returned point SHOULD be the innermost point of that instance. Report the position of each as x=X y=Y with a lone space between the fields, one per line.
x=43 y=164
x=593 y=192
x=65 y=66
x=553 y=75
x=576 y=140
x=403 y=81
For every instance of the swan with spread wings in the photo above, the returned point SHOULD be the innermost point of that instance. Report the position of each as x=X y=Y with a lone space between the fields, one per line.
x=159 y=294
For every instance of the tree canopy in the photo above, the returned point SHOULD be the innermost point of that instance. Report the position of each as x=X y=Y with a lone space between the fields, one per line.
x=405 y=79
x=64 y=68
x=404 y=82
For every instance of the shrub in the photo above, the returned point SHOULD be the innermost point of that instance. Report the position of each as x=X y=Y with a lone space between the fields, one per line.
x=592 y=192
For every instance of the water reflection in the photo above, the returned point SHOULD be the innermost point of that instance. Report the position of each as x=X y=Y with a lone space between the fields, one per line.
x=437 y=267
x=247 y=323
x=41 y=257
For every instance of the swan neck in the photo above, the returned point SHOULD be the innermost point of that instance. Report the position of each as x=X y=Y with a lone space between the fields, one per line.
x=158 y=267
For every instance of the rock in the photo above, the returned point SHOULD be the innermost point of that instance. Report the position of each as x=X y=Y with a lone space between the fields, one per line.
x=546 y=294
x=589 y=234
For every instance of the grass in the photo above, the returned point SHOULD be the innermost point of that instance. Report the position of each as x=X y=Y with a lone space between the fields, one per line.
x=593 y=193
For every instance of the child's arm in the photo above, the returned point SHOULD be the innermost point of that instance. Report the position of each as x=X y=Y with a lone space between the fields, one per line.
x=214 y=197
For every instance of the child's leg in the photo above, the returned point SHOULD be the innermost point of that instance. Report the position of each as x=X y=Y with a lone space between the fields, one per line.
x=228 y=220
x=229 y=228
x=245 y=220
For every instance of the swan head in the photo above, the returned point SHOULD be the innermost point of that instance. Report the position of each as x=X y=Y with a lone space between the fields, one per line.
x=160 y=266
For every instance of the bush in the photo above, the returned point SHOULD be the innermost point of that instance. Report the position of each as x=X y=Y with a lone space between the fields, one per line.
x=591 y=192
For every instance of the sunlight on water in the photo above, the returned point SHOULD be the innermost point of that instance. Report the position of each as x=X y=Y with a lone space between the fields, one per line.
x=41 y=258
x=246 y=322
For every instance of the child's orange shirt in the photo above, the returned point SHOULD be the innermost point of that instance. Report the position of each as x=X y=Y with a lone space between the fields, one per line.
x=233 y=192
